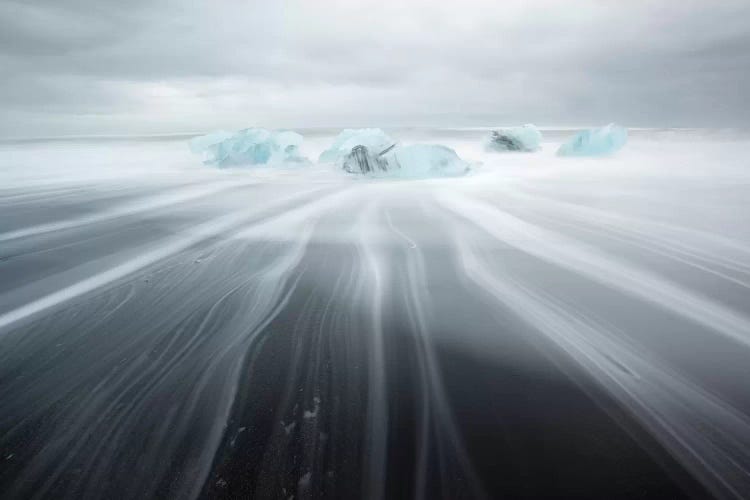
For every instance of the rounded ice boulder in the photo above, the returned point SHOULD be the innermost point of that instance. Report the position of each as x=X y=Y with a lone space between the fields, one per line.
x=414 y=161
x=251 y=146
x=601 y=141
x=374 y=139
x=526 y=139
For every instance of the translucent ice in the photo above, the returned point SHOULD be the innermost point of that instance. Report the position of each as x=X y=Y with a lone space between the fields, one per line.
x=526 y=138
x=202 y=143
x=251 y=146
x=374 y=139
x=427 y=160
x=414 y=161
x=595 y=142
x=364 y=161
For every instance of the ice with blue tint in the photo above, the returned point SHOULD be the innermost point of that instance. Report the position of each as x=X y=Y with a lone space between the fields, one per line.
x=413 y=161
x=374 y=139
x=595 y=142
x=251 y=146
x=202 y=143
x=527 y=138
x=426 y=160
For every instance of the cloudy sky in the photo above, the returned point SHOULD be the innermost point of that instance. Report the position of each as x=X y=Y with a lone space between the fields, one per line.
x=137 y=66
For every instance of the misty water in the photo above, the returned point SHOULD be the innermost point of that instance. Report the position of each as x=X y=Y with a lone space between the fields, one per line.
x=543 y=326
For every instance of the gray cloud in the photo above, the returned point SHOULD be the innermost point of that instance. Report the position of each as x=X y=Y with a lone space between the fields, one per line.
x=78 y=66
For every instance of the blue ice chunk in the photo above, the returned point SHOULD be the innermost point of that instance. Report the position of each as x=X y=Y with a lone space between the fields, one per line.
x=251 y=146
x=526 y=138
x=427 y=160
x=203 y=142
x=595 y=142
x=413 y=161
x=374 y=139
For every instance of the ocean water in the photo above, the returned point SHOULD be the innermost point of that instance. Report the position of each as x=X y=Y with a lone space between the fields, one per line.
x=542 y=327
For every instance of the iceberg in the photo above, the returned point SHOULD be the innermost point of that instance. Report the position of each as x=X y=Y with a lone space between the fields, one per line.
x=251 y=146
x=200 y=144
x=374 y=139
x=526 y=138
x=363 y=161
x=413 y=161
x=427 y=160
x=372 y=152
x=595 y=142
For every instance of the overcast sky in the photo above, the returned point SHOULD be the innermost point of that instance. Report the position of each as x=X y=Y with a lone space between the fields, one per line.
x=136 y=66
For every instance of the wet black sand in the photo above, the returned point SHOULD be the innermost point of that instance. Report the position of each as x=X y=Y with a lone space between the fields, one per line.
x=339 y=339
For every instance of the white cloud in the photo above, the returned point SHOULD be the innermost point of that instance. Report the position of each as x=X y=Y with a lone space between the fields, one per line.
x=77 y=66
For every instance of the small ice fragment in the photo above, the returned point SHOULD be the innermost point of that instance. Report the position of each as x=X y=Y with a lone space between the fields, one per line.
x=304 y=481
x=595 y=142
x=288 y=428
x=526 y=138
x=373 y=139
x=236 y=435
x=314 y=412
x=252 y=146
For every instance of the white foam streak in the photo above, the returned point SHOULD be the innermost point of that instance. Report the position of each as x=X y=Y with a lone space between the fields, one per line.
x=595 y=265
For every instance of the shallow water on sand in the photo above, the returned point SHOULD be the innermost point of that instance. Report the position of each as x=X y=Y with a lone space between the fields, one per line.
x=542 y=327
